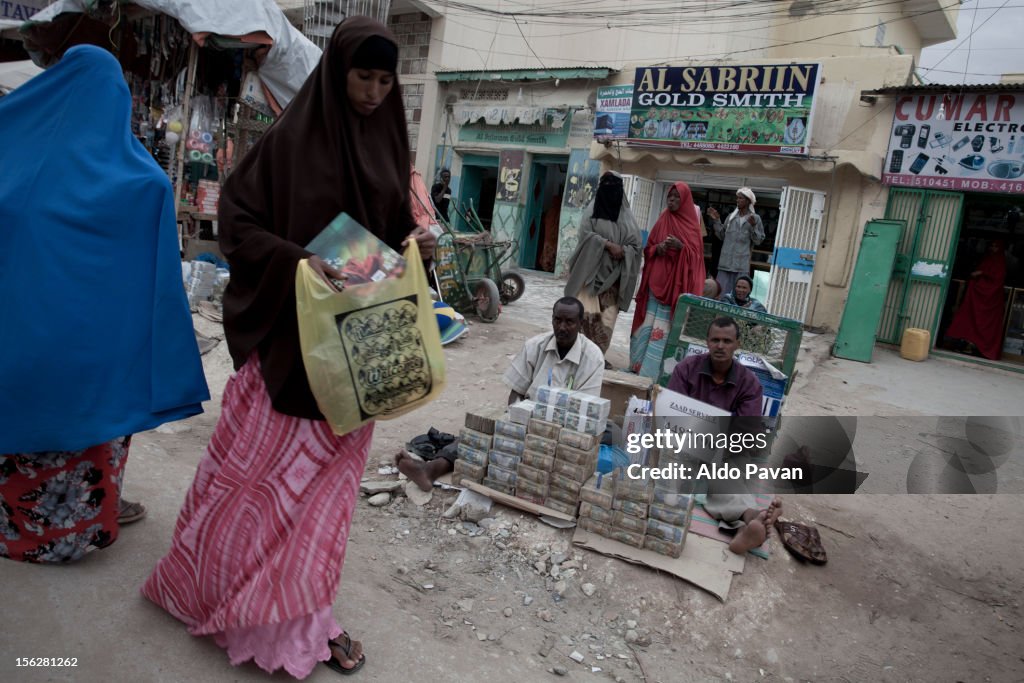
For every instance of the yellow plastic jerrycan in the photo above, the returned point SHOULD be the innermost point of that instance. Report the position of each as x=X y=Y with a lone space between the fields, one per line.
x=915 y=344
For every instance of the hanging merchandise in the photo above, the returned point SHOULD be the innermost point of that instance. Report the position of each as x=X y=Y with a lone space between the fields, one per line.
x=252 y=94
x=200 y=136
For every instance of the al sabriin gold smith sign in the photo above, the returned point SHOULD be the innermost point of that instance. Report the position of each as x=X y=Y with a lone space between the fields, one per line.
x=761 y=108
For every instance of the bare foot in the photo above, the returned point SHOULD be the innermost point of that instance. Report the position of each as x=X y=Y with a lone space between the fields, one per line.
x=416 y=470
x=773 y=513
x=750 y=536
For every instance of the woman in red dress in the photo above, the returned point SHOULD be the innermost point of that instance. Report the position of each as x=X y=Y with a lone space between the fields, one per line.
x=673 y=265
x=979 y=320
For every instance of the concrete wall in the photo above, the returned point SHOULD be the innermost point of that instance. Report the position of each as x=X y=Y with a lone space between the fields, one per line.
x=790 y=34
x=630 y=33
x=413 y=32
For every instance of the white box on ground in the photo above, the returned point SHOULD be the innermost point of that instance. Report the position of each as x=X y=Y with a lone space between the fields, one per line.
x=696 y=424
x=637 y=420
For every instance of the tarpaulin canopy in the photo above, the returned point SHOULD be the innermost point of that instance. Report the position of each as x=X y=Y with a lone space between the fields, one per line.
x=14 y=74
x=290 y=60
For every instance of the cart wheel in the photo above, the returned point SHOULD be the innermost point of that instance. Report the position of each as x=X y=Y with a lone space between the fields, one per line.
x=486 y=300
x=512 y=287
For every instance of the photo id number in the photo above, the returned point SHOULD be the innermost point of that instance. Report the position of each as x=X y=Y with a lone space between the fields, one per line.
x=47 y=661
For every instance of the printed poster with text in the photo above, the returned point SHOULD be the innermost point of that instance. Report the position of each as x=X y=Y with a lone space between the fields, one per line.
x=613 y=108
x=758 y=108
x=957 y=142
x=510 y=174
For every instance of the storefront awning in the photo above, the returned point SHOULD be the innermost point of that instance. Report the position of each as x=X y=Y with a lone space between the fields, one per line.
x=577 y=72
x=940 y=89
x=866 y=163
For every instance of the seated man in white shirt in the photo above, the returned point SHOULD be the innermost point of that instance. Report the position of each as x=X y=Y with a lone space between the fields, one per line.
x=560 y=358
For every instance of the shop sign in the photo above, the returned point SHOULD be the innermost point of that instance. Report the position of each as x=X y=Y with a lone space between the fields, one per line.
x=613 y=108
x=515 y=134
x=20 y=11
x=972 y=142
x=581 y=129
x=760 y=108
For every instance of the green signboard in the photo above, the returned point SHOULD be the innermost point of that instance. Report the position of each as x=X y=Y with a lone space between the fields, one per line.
x=515 y=134
x=756 y=108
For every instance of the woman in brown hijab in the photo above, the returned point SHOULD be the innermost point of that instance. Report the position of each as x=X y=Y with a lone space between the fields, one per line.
x=259 y=545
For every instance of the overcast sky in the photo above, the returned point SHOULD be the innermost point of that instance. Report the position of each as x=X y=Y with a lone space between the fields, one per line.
x=997 y=45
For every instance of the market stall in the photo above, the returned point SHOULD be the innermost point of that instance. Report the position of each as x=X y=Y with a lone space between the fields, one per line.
x=206 y=81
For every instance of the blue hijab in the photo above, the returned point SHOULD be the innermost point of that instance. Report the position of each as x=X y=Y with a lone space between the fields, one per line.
x=96 y=338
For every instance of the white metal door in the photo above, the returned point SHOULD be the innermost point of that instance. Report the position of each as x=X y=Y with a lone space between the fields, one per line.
x=640 y=193
x=796 y=244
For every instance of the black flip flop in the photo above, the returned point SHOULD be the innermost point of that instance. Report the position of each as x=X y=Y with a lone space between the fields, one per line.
x=346 y=646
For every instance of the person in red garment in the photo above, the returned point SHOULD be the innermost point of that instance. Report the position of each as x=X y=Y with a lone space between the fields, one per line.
x=673 y=265
x=979 y=319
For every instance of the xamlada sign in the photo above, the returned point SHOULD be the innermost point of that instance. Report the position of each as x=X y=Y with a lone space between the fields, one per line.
x=971 y=141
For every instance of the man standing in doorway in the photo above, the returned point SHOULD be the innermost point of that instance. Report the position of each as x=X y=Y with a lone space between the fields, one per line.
x=741 y=230
x=441 y=193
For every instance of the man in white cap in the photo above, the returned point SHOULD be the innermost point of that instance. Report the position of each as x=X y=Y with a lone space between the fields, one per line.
x=741 y=230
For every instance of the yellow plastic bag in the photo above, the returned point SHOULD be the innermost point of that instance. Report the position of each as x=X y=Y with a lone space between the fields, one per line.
x=371 y=351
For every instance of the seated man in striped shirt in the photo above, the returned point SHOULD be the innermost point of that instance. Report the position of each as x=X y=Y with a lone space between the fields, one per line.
x=560 y=358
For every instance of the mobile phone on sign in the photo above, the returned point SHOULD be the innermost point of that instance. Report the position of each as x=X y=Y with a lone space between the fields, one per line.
x=919 y=163
x=896 y=163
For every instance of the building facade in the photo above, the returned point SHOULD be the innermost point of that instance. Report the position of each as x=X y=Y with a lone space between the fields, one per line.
x=505 y=83
x=507 y=102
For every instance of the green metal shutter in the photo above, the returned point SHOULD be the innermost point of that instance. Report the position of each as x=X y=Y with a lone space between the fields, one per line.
x=924 y=260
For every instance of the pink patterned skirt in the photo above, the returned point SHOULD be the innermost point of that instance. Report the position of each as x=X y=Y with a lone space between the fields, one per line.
x=260 y=541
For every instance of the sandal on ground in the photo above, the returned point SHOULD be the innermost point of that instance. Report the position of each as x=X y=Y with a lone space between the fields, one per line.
x=802 y=540
x=130 y=512
x=344 y=643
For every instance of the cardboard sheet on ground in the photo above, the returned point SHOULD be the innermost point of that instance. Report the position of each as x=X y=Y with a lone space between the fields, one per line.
x=705 y=563
x=704 y=525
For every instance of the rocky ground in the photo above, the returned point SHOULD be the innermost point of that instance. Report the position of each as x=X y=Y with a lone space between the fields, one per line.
x=917 y=588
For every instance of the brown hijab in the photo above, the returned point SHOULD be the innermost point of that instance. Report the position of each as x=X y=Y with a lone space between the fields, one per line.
x=320 y=158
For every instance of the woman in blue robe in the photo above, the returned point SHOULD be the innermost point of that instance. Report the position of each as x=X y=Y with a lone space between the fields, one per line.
x=96 y=342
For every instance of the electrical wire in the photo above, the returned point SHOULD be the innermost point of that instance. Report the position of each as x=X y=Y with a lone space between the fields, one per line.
x=724 y=53
x=960 y=44
x=732 y=30
x=701 y=12
x=528 y=42
x=970 y=40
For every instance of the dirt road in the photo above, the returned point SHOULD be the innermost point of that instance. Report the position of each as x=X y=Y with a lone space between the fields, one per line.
x=918 y=588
